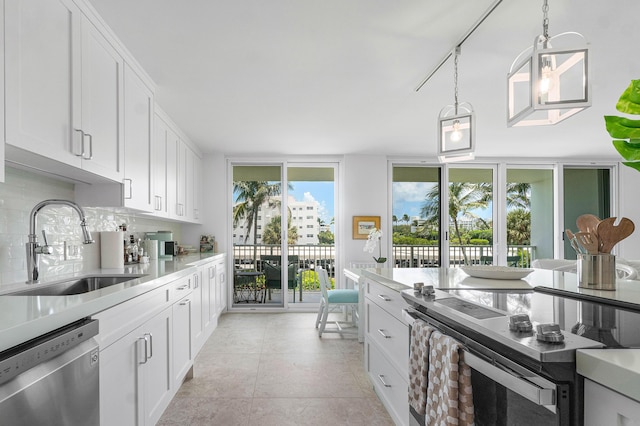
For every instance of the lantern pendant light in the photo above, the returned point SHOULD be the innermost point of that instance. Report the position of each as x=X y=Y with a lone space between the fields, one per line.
x=456 y=126
x=552 y=83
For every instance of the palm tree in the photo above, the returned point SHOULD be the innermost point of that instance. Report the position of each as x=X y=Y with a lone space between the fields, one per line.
x=464 y=197
x=518 y=195
x=272 y=234
x=405 y=218
x=250 y=195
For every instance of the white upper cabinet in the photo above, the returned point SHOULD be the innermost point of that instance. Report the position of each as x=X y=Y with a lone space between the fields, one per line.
x=102 y=112
x=177 y=169
x=42 y=53
x=193 y=186
x=2 y=116
x=160 y=135
x=138 y=122
x=63 y=90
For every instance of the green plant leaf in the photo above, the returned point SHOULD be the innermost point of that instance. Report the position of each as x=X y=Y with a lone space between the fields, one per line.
x=622 y=128
x=630 y=151
x=633 y=165
x=629 y=101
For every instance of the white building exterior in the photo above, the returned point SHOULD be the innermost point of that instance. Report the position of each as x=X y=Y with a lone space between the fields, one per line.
x=304 y=216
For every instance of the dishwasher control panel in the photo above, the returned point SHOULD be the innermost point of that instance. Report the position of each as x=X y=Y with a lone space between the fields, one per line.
x=21 y=358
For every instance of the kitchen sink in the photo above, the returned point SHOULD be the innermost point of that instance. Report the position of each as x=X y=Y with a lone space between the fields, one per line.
x=76 y=285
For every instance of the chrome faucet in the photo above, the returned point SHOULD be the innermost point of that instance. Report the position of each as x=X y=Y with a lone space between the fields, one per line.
x=34 y=249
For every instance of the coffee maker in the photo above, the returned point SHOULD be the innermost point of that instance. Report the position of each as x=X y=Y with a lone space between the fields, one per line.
x=167 y=248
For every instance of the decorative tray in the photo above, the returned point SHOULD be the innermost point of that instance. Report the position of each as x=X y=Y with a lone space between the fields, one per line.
x=496 y=272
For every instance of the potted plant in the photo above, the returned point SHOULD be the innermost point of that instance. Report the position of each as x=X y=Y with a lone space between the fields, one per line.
x=625 y=131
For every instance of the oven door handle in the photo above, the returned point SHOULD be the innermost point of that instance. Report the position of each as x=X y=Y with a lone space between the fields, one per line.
x=534 y=393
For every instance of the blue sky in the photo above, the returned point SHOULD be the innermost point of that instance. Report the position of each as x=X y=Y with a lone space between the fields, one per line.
x=322 y=192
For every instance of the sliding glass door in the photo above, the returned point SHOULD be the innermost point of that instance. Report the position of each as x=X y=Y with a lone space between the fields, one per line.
x=283 y=230
x=311 y=229
x=470 y=214
x=416 y=216
x=529 y=215
x=257 y=249
x=586 y=190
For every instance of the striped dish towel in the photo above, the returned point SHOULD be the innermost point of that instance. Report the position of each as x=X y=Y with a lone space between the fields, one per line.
x=449 y=393
x=419 y=365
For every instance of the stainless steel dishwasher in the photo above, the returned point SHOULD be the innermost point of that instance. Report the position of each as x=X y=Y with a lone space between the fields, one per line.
x=52 y=379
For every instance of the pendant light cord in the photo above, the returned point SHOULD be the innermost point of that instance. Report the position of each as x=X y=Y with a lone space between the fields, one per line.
x=545 y=23
x=455 y=78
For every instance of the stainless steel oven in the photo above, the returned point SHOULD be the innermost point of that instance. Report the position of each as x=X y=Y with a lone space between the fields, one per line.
x=521 y=349
x=53 y=379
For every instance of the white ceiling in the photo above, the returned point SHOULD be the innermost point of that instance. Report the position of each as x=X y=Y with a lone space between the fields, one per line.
x=338 y=76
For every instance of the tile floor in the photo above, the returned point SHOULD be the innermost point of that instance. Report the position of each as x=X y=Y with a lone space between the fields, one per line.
x=273 y=369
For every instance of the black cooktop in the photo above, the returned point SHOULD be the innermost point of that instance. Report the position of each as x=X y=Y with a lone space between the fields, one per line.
x=612 y=326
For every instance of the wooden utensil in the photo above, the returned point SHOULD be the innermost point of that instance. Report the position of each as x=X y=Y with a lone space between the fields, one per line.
x=587 y=222
x=589 y=241
x=611 y=234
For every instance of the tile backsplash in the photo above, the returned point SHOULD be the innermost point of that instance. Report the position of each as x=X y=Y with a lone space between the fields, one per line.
x=21 y=191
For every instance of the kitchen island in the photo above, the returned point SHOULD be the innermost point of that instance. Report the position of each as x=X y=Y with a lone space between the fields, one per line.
x=608 y=367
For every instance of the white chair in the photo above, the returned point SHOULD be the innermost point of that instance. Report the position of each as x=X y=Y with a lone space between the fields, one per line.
x=331 y=299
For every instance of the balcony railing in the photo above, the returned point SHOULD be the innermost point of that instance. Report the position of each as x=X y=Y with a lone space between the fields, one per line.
x=248 y=256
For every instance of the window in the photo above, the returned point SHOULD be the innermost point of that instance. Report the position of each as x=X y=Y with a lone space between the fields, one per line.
x=310 y=226
x=309 y=207
x=309 y=217
x=310 y=235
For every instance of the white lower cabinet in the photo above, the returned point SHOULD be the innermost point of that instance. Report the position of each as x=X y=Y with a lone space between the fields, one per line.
x=135 y=374
x=145 y=351
x=182 y=348
x=603 y=406
x=386 y=345
x=199 y=295
x=148 y=343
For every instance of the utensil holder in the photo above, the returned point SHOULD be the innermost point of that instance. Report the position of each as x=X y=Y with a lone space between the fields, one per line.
x=597 y=271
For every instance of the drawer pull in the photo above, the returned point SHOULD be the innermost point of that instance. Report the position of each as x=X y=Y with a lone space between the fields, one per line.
x=386 y=336
x=385 y=384
x=385 y=298
x=183 y=287
x=185 y=302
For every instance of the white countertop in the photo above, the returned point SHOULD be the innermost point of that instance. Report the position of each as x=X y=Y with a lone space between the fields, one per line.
x=617 y=369
x=25 y=317
x=455 y=278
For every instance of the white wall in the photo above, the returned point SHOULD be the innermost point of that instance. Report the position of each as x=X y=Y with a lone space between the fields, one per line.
x=364 y=192
x=630 y=208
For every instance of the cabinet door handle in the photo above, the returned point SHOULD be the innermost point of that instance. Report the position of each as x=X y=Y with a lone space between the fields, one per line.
x=196 y=281
x=158 y=203
x=90 y=146
x=81 y=144
x=146 y=348
x=385 y=298
x=130 y=189
x=385 y=384
x=386 y=336
x=150 y=343
x=221 y=278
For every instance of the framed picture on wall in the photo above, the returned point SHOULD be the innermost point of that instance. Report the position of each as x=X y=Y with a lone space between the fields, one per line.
x=362 y=225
